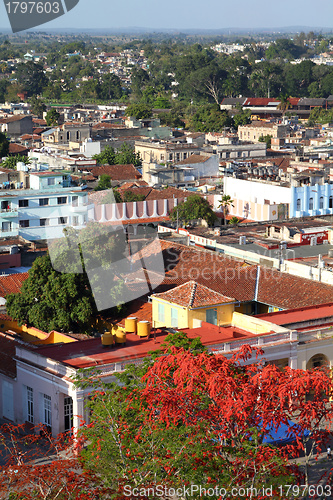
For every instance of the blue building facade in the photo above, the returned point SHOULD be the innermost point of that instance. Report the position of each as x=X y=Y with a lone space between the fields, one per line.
x=311 y=200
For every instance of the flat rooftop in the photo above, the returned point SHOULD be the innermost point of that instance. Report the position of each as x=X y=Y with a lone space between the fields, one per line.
x=88 y=353
x=299 y=315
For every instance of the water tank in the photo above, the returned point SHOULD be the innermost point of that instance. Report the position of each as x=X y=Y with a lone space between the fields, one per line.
x=130 y=324
x=107 y=339
x=143 y=328
x=119 y=335
x=242 y=240
x=330 y=252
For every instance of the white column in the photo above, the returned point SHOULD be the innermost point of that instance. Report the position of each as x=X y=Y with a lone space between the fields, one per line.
x=78 y=409
x=103 y=216
x=113 y=212
x=155 y=214
x=135 y=213
x=144 y=215
x=165 y=211
x=124 y=217
x=293 y=362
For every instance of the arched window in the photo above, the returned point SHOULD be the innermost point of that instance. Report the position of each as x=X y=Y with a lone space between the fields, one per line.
x=298 y=204
x=317 y=361
x=321 y=202
x=310 y=203
x=331 y=202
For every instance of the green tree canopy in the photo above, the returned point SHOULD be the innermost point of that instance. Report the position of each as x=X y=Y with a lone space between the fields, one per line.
x=106 y=157
x=209 y=118
x=4 y=145
x=52 y=117
x=104 y=182
x=139 y=111
x=195 y=207
x=37 y=107
x=110 y=87
x=124 y=156
x=50 y=300
x=32 y=78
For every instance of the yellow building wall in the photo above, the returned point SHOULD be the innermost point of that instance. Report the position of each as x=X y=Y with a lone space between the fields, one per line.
x=182 y=314
x=251 y=324
x=33 y=335
x=187 y=317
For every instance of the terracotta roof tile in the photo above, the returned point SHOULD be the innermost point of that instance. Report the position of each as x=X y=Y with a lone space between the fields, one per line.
x=288 y=291
x=116 y=172
x=193 y=295
x=14 y=118
x=12 y=283
x=193 y=159
x=17 y=148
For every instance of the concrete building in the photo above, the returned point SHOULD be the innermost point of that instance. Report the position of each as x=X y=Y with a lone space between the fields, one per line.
x=16 y=125
x=253 y=131
x=41 y=211
x=163 y=152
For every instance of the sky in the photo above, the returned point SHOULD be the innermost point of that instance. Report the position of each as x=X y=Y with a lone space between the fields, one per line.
x=191 y=14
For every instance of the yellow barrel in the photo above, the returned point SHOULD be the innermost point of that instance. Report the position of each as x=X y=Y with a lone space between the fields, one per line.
x=130 y=324
x=119 y=336
x=143 y=328
x=107 y=339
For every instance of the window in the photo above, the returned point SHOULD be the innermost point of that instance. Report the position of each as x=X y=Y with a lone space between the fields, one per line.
x=24 y=223
x=47 y=415
x=6 y=226
x=310 y=203
x=178 y=156
x=331 y=202
x=185 y=155
x=161 y=313
x=75 y=220
x=43 y=202
x=5 y=205
x=161 y=157
x=298 y=204
x=44 y=222
x=62 y=220
x=174 y=317
x=30 y=404
x=170 y=156
x=23 y=203
x=321 y=202
x=51 y=181
x=211 y=316
x=75 y=201
x=68 y=413
x=62 y=200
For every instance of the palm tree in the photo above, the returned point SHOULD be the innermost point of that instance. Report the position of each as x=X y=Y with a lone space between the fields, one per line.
x=284 y=103
x=226 y=202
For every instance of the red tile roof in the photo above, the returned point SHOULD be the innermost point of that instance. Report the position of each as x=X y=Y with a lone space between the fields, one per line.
x=116 y=172
x=288 y=291
x=17 y=148
x=12 y=283
x=193 y=295
x=193 y=159
x=14 y=118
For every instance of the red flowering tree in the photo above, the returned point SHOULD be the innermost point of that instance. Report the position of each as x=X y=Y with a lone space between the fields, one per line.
x=200 y=419
x=35 y=466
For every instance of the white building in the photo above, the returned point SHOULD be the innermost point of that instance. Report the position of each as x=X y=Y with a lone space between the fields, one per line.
x=41 y=211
